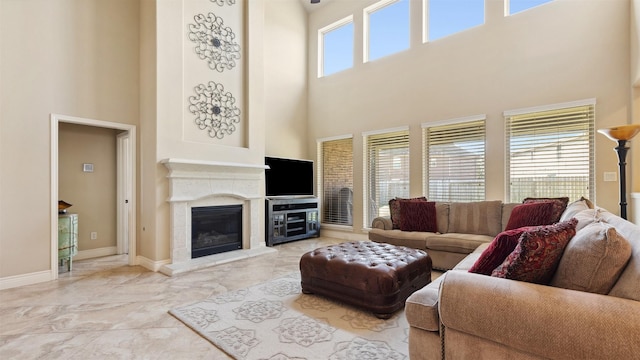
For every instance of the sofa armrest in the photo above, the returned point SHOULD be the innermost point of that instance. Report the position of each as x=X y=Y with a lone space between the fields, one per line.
x=382 y=222
x=542 y=320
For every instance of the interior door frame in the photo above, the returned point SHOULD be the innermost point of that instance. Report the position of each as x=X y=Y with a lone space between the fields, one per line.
x=129 y=180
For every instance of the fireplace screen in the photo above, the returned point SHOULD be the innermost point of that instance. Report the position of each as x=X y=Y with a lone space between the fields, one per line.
x=215 y=229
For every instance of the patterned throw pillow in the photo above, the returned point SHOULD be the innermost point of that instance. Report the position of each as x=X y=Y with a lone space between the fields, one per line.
x=560 y=205
x=538 y=253
x=418 y=216
x=501 y=246
x=394 y=210
x=532 y=214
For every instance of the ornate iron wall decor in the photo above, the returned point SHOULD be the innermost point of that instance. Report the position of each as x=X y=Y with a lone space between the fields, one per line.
x=214 y=109
x=215 y=42
x=221 y=2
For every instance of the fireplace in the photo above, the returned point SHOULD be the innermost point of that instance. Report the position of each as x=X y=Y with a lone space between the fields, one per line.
x=195 y=184
x=215 y=229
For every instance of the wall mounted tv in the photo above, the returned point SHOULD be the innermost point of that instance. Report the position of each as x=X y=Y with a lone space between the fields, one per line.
x=288 y=177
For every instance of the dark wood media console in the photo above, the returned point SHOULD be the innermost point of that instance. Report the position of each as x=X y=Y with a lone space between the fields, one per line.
x=289 y=219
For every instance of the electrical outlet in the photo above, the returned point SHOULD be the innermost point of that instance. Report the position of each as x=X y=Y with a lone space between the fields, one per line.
x=94 y=235
x=610 y=176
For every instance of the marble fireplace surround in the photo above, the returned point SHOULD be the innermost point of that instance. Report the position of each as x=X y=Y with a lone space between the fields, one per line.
x=194 y=183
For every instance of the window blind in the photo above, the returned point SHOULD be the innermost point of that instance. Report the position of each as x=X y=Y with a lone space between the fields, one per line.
x=386 y=171
x=454 y=161
x=550 y=153
x=336 y=182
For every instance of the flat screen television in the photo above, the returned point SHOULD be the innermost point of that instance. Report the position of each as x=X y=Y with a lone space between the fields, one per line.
x=288 y=177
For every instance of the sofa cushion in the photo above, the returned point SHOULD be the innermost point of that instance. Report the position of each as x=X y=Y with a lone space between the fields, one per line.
x=469 y=260
x=586 y=217
x=457 y=243
x=628 y=285
x=497 y=251
x=575 y=207
x=418 y=216
x=593 y=259
x=394 y=209
x=559 y=202
x=537 y=254
x=442 y=216
x=412 y=239
x=481 y=217
x=532 y=214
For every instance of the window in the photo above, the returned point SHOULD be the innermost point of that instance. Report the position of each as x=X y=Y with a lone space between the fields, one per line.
x=386 y=170
x=446 y=17
x=516 y=6
x=550 y=151
x=335 y=157
x=454 y=160
x=386 y=28
x=335 y=47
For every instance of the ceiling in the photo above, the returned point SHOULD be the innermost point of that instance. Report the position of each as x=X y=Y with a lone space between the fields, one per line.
x=311 y=7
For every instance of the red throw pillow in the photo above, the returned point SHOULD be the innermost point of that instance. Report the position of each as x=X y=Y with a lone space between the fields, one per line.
x=560 y=203
x=532 y=214
x=394 y=210
x=418 y=216
x=536 y=257
x=501 y=246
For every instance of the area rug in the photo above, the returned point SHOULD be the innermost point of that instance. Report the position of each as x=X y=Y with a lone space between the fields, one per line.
x=276 y=321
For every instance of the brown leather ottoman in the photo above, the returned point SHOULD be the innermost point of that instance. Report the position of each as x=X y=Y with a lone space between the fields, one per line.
x=376 y=276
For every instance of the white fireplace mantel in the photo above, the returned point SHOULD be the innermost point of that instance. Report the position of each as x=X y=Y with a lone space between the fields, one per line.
x=212 y=183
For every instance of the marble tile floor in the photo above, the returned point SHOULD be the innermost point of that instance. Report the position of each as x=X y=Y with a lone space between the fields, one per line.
x=105 y=309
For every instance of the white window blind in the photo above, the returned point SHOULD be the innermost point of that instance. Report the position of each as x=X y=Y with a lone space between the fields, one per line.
x=386 y=171
x=454 y=161
x=550 y=153
x=336 y=181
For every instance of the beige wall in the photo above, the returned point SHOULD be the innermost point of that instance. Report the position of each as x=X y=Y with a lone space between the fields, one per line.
x=285 y=37
x=72 y=57
x=93 y=194
x=563 y=51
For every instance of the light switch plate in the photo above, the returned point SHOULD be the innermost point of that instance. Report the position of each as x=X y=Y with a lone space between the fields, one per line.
x=610 y=176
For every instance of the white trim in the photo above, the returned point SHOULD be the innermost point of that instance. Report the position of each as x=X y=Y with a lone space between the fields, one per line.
x=366 y=12
x=385 y=131
x=321 y=32
x=151 y=264
x=56 y=119
x=455 y=121
x=333 y=138
x=584 y=102
x=28 y=279
x=96 y=253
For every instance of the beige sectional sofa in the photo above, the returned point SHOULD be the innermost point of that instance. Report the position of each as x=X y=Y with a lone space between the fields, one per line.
x=462 y=227
x=464 y=315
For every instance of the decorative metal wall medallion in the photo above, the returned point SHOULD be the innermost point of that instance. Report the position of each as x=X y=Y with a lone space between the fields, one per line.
x=214 y=110
x=215 y=43
x=221 y=2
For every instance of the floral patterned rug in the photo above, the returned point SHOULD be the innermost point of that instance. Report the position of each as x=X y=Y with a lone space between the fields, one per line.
x=276 y=321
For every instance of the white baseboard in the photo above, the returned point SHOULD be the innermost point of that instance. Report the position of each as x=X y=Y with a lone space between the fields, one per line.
x=342 y=235
x=95 y=253
x=151 y=264
x=25 y=279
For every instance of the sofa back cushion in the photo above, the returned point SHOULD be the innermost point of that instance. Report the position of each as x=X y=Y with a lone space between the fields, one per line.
x=628 y=285
x=481 y=217
x=442 y=217
x=593 y=259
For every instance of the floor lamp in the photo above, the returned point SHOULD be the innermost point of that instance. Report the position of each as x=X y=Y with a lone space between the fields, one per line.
x=622 y=134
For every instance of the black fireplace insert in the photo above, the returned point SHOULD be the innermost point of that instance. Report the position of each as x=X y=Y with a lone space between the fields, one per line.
x=215 y=229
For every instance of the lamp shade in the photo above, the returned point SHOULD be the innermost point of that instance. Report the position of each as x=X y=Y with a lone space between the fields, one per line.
x=622 y=132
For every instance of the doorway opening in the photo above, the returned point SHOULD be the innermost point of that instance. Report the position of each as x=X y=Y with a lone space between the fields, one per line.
x=126 y=179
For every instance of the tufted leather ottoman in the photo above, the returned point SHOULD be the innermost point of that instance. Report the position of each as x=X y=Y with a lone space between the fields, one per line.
x=376 y=276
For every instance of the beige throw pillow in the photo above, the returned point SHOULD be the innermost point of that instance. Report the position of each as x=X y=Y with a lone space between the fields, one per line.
x=593 y=260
